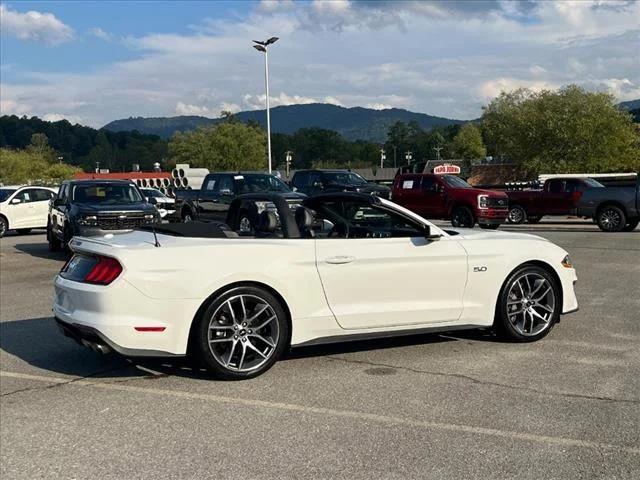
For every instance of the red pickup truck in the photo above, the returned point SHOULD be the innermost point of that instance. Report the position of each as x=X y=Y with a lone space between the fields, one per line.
x=557 y=197
x=451 y=198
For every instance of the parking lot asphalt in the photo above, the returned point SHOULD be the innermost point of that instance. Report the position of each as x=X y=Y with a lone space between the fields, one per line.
x=457 y=405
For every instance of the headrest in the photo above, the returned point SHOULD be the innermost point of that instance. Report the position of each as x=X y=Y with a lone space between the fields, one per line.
x=267 y=222
x=304 y=217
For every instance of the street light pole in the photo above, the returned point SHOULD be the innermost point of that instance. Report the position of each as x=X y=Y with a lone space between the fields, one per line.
x=383 y=157
x=437 y=149
x=264 y=48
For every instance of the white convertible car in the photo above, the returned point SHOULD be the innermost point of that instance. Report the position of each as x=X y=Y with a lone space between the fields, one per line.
x=340 y=267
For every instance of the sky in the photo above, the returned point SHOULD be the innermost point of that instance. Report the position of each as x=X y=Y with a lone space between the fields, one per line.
x=93 y=62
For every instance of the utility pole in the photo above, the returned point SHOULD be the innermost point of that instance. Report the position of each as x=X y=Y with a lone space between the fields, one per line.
x=408 y=156
x=287 y=158
x=437 y=149
x=395 y=163
x=383 y=157
x=264 y=47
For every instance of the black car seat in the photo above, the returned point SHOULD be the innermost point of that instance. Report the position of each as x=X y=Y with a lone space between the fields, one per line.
x=267 y=223
x=304 y=220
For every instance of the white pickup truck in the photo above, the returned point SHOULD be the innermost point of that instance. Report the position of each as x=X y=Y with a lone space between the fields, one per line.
x=24 y=207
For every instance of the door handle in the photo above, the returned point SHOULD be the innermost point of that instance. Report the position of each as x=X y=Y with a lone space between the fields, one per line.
x=339 y=259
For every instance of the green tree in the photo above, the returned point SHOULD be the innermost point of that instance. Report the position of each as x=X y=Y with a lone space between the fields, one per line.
x=468 y=143
x=226 y=146
x=566 y=131
x=28 y=166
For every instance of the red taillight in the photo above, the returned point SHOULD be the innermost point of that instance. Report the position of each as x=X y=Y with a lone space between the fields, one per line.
x=105 y=271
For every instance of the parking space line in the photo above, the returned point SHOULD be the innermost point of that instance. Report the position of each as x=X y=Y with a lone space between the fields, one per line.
x=351 y=414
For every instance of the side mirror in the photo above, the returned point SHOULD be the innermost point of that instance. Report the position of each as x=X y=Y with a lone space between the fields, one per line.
x=428 y=235
x=15 y=201
x=57 y=202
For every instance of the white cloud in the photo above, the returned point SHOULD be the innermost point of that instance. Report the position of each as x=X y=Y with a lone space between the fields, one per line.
x=34 y=26
x=56 y=117
x=230 y=107
x=101 y=34
x=446 y=59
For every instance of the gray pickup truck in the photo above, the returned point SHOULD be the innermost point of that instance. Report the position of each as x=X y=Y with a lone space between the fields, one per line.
x=614 y=209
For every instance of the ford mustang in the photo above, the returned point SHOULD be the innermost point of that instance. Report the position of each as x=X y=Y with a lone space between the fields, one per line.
x=339 y=267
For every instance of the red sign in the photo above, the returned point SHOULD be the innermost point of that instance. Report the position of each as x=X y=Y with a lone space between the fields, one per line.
x=444 y=169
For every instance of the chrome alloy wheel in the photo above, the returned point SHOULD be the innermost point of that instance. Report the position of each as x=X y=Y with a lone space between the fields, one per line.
x=243 y=333
x=245 y=225
x=516 y=215
x=531 y=303
x=610 y=219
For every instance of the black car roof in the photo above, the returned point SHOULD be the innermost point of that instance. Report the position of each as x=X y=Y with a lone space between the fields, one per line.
x=93 y=181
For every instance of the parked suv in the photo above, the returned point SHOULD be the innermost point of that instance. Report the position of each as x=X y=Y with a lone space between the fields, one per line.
x=451 y=198
x=313 y=182
x=23 y=208
x=96 y=207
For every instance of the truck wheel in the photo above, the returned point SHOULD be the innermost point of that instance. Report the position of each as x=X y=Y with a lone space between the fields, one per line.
x=534 y=218
x=611 y=219
x=4 y=226
x=245 y=226
x=631 y=226
x=517 y=214
x=54 y=243
x=489 y=226
x=462 y=217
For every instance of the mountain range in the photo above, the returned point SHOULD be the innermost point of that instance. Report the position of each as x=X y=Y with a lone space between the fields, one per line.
x=356 y=123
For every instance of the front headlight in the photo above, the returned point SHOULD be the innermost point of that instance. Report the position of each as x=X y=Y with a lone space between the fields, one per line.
x=88 y=220
x=483 y=201
x=150 y=217
x=566 y=262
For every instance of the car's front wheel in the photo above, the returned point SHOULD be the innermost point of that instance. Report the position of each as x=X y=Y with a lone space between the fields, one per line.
x=611 y=219
x=242 y=333
x=529 y=304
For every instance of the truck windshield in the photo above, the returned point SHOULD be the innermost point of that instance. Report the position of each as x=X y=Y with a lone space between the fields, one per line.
x=262 y=183
x=106 y=193
x=6 y=193
x=344 y=178
x=455 y=182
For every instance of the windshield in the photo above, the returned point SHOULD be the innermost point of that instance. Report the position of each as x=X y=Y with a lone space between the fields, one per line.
x=152 y=192
x=593 y=183
x=344 y=178
x=455 y=182
x=262 y=183
x=106 y=193
x=6 y=193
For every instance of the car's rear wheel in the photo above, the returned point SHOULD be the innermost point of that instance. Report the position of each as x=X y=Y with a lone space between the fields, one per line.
x=242 y=333
x=611 y=219
x=529 y=304
x=462 y=217
x=631 y=226
x=4 y=226
x=516 y=215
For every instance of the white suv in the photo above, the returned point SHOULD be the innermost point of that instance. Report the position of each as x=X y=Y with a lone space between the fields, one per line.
x=24 y=208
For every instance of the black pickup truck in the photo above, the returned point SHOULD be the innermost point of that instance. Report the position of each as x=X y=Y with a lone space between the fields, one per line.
x=614 y=209
x=91 y=208
x=212 y=201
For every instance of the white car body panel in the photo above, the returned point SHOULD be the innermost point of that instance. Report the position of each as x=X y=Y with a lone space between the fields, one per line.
x=26 y=215
x=391 y=285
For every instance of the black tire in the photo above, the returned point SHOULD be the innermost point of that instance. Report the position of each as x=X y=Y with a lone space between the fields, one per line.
x=516 y=215
x=67 y=236
x=507 y=328
x=4 y=226
x=462 y=217
x=611 y=218
x=534 y=218
x=631 y=226
x=204 y=350
x=23 y=231
x=186 y=216
x=489 y=226
x=54 y=244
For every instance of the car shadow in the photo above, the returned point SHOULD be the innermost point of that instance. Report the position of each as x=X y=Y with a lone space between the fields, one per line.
x=39 y=343
x=41 y=250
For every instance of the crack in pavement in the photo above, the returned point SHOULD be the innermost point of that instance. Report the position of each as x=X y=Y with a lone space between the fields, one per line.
x=85 y=377
x=486 y=382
